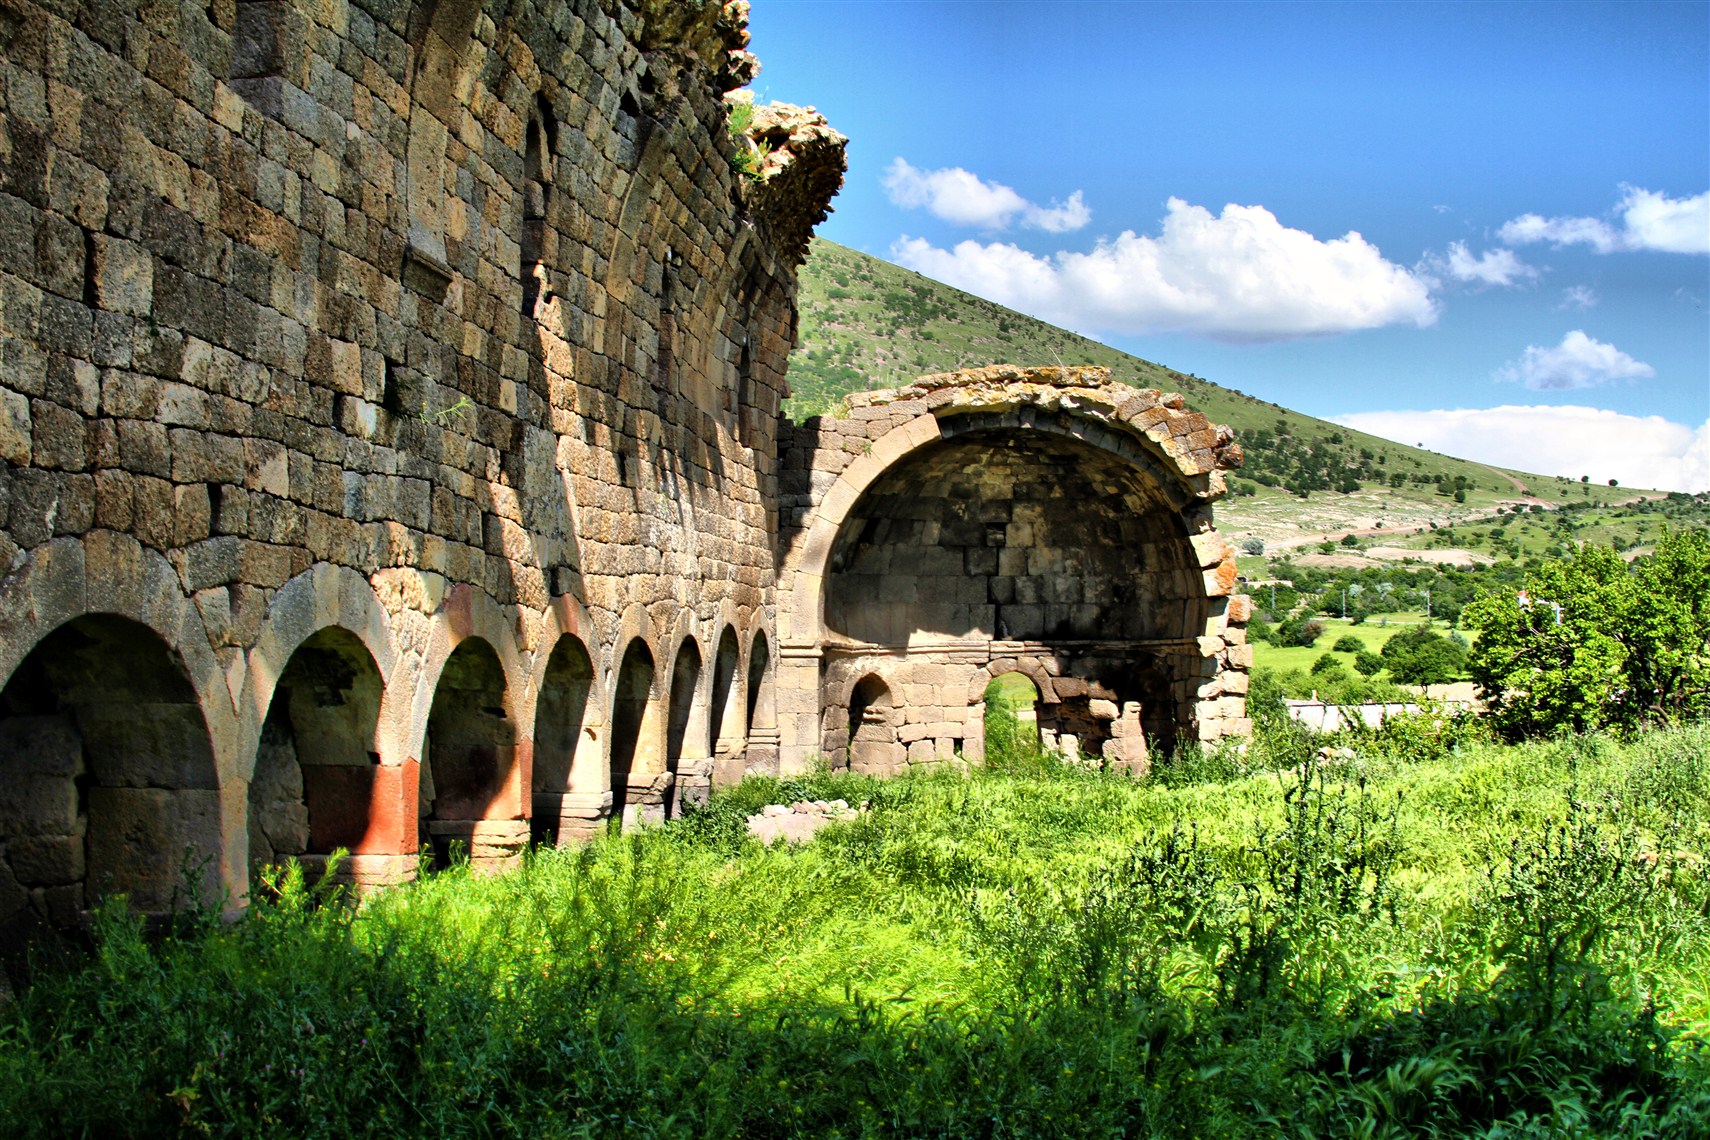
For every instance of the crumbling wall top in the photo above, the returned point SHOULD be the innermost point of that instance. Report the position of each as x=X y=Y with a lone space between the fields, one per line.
x=799 y=168
x=1193 y=442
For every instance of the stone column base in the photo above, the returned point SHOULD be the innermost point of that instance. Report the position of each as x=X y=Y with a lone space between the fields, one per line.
x=694 y=784
x=363 y=874
x=570 y=817
x=644 y=803
x=493 y=845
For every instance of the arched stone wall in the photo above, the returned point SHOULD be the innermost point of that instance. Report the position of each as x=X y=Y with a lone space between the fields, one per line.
x=1140 y=469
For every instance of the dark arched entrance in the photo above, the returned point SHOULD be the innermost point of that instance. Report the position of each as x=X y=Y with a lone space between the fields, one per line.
x=107 y=779
x=471 y=790
x=313 y=788
x=561 y=741
x=1002 y=542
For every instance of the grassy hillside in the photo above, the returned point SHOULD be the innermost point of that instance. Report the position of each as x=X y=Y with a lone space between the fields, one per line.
x=868 y=324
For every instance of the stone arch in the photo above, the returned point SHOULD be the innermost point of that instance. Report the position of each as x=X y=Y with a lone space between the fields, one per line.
x=108 y=778
x=1063 y=517
x=570 y=793
x=638 y=763
x=1030 y=667
x=762 y=707
x=726 y=711
x=688 y=767
x=483 y=754
x=1020 y=719
x=1147 y=450
x=324 y=596
x=53 y=588
x=318 y=784
x=472 y=775
x=873 y=747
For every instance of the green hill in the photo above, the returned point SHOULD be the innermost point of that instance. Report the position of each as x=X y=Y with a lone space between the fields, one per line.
x=868 y=324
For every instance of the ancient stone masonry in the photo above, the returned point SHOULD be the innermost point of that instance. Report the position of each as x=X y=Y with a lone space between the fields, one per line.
x=388 y=402
x=390 y=424
x=1002 y=520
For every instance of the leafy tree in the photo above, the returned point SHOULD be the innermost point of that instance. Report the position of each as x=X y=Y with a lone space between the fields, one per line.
x=1367 y=663
x=1254 y=546
x=1348 y=643
x=1593 y=642
x=1299 y=631
x=1421 y=656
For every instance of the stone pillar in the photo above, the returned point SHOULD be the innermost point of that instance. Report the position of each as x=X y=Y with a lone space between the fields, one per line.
x=796 y=738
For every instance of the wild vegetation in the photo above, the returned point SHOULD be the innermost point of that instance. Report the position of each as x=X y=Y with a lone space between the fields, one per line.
x=1416 y=932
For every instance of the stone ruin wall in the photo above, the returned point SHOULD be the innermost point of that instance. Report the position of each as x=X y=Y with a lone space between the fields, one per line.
x=390 y=408
x=388 y=398
x=1003 y=520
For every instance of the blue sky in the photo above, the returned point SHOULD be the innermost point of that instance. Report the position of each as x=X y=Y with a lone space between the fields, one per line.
x=1480 y=227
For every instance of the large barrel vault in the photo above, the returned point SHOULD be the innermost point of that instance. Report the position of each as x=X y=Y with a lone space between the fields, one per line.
x=997 y=520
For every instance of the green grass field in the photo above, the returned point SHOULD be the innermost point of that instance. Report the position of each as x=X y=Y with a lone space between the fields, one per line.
x=1439 y=936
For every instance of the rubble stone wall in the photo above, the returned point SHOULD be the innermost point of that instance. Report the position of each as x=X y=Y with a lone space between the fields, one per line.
x=381 y=373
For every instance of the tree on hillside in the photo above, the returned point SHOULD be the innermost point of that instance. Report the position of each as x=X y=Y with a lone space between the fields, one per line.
x=1421 y=656
x=1594 y=642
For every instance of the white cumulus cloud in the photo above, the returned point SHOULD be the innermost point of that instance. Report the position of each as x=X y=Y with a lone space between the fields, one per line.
x=964 y=198
x=1578 y=361
x=1495 y=267
x=1645 y=220
x=1648 y=452
x=1237 y=276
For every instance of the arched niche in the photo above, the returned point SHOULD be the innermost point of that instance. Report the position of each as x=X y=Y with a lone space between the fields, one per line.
x=1013 y=536
x=874 y=749
x=108 y=782
x=472 y=775
x=762 y=751
x=317 y=762
x=727 y=725
x=566 y=744
x=638 y=764
x=686 y=758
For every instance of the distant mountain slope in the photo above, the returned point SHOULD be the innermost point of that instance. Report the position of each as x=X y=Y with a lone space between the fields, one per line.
x=868 y=324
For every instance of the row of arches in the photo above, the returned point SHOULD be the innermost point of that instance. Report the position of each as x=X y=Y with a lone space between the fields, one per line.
x=131 y=754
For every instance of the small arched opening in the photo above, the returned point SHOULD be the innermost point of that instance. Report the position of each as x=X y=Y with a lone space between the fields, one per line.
x=638 y=745
x=873 y=746
x=762 y=750
x=686 y=761
x=1011 y=721
x=726 y=727
x=471 y=795
x=107 y=779
x=313 y=788
x=565 y=750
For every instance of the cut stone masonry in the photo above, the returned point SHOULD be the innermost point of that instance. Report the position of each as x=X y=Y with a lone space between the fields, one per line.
x=393 y=460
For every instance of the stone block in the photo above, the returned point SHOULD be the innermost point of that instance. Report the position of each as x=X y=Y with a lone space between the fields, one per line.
x=123 y=275
x=47 y=860
x=16 y=428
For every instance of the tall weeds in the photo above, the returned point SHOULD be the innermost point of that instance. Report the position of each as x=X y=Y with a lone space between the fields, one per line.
x=1482 y=941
